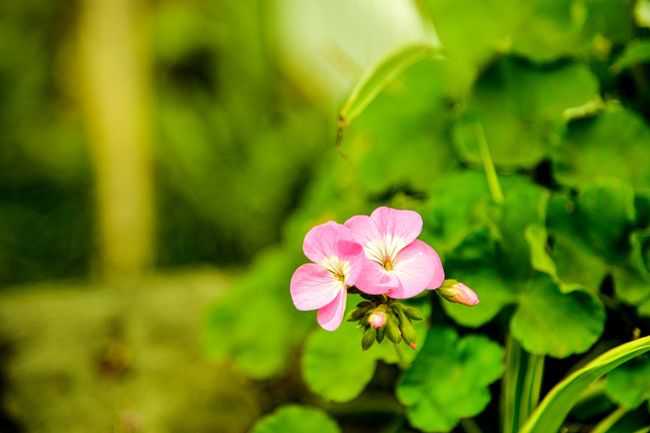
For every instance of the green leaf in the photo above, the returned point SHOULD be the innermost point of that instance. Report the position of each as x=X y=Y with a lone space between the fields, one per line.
x=296 y=419
x=400 y=140
x=448 y=379
x=635 y=53
x=521 y=108
x=629 y=384
x=472 y=32
x=550 y=414
x=549 y=29
x=377 y=77
x=333 y=364
x=548 y=322
x=587 y=152
x=257 y=325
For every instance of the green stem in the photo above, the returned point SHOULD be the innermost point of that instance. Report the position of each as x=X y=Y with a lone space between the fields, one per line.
x=510 y=400
x=610 y=420
x=402 y=362
x=470 y=426
x=488 y=165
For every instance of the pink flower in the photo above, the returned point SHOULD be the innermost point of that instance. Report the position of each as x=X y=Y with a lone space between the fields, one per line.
x=459 y=293
x=398 y=265
x=322 y=285
x=378 y=319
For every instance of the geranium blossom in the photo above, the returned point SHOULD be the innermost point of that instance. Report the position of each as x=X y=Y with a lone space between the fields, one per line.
x=398 y=264
x=322 y=285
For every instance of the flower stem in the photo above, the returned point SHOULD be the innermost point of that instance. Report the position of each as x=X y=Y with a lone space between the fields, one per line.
x=488 y=165
x=402 y=362
x=470 y=426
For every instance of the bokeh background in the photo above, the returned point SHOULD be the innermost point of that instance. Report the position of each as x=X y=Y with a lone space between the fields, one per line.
x=158 y=156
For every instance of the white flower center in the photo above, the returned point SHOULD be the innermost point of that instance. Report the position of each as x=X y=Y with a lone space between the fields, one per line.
x=340 y=269
x=384 y=251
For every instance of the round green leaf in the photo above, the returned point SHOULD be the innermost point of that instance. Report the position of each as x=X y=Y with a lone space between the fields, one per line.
x=548 y=322
x=448 y=379
x=613 y=144
x=521 y=108
x=333 y=364
x=629 y=384
x=296 y=419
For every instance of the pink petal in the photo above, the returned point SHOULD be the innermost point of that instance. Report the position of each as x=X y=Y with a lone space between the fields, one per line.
x=414 y=267
x=312 y=287
x=322 y=242
x=375 y=280
x=363 y=229
x=331 y=315
x=438 y=272
x=351 y=252
x=404 y=224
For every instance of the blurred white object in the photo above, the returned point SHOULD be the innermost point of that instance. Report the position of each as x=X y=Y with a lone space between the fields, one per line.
x=327 y=45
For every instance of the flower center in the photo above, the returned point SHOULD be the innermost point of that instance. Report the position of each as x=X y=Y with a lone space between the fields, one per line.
x=337 y=267
x=384 y=251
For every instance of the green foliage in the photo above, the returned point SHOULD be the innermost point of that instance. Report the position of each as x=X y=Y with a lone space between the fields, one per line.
x=448 y=379
x=296 y=419
x=256 y=324
x=629 y=384
x=558 y=402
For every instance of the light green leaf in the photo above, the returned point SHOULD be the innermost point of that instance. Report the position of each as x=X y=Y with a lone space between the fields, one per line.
x=377 y=77
x=400 y=140
x=550 y=414
x=548 y=322
x=635 y=53
x=333 y=364
x=472 y=32
x=521 y=107
x=448 y=379
x=629 y=384
x=537 y=238
x=296 y=419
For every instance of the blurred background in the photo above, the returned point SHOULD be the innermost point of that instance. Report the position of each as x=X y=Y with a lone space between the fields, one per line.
x=162 y=160
x=149 y=151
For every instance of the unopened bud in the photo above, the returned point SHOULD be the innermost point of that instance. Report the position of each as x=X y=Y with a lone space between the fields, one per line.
x=414 y=345
x=408 y=331
x=413 y=312
x=377 y=319
x=392 y=330
x=368 y=338
x=454 y=291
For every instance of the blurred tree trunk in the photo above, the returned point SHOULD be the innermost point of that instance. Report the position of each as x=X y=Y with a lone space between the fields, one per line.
x=114 y=66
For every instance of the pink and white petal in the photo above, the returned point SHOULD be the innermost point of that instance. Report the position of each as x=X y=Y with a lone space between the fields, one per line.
x=352 y=252
x=321 y=241
x=312 y=287
x=405 y=225
x=414 y=268
x=364 y=229
x=375 y=280
x=331 y=315
x=438 y=273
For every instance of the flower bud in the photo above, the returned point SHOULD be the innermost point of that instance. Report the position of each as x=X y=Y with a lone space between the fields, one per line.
x=377 y=319
x=454 y=291
x=368 y=338
x=392 y=330
x=407 y=329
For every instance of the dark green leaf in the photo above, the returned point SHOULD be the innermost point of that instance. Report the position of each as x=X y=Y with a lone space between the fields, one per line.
x=448 y=380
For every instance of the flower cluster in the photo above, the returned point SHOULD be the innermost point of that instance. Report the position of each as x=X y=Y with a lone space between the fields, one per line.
x=379 y=255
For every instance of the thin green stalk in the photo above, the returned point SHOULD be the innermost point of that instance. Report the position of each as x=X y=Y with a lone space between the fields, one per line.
x=610 y=420
x=488 y=165
x=509 y=402
x=531 y=387
x=470 y=426
x=402 y=362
